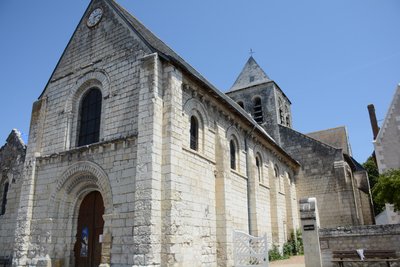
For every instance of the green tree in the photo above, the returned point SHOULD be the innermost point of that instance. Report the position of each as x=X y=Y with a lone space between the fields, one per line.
x=387 y=189
x=373 y=176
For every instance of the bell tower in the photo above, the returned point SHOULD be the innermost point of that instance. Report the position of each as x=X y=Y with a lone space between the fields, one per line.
x=261 y=97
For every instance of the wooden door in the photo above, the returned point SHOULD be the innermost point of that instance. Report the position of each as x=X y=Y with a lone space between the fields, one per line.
x=87 y=248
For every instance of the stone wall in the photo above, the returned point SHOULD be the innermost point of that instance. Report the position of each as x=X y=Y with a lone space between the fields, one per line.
x=12 y=156
x=326 y=176
x=269 y=94
x=374 y=237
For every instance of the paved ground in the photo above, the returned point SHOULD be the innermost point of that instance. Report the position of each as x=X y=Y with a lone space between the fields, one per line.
x=295 y=261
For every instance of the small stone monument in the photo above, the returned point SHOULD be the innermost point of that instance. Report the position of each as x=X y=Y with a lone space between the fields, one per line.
x=309 y=227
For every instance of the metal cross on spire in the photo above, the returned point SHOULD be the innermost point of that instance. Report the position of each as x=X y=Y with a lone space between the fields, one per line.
x=251 y=52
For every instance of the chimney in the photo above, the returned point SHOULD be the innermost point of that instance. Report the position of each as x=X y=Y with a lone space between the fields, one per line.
x=372 y=118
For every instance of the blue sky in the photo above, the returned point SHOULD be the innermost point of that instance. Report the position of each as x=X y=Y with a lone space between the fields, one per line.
x=331 y=58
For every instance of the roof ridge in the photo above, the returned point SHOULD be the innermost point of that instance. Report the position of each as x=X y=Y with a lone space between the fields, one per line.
x=312 y=139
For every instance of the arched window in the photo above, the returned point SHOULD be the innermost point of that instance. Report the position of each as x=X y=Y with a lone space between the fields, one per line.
x=281 y=114
x=287 y=116
x=258 y=114
x=259 y=170
x=90 y=115
x=276 y=171
x=4 y=199
x=194 y=133
x=232 y=148
x=240 y=103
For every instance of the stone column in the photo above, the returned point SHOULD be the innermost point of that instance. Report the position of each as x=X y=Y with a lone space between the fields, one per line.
x=310 y=229
x=147 y=198
x=252 y=192
x=223 y=194
x=172 y=184
x=26 y=201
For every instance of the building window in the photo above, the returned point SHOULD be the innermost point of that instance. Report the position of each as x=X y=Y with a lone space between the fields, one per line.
x=251 y=79
x=259 y=170
x=4 y=199
x=276 y=171
x=232 y=148
x=258 y=114
x=281 y=114
x=287 y=116
x=90 y=115
x=240 y=103
x=194 y=133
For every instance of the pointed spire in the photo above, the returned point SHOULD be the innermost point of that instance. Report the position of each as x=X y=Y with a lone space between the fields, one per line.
x=252 y=74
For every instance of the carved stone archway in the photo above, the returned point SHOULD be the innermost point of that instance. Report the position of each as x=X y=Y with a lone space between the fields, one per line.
x=77 y=181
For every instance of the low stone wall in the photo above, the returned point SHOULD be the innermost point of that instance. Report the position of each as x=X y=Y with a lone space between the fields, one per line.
x=359 y=237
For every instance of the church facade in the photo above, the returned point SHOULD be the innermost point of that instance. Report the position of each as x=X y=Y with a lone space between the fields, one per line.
x=134 y=159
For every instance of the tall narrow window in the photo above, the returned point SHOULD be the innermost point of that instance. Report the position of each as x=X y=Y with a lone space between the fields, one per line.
x=281 y=115
x=276 y=171
x=90 y=114
x=232 y=148
x=258 y=114
x=194 y=133
x=287 y=116
x=4 y=199
x=259 y=173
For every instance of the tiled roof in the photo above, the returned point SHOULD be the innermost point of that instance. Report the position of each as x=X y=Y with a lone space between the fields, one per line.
x=336 y=137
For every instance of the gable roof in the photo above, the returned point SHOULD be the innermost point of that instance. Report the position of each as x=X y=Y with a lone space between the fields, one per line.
x=335 y=137
x=389 y=114
x=251 y=74
x=167 y=54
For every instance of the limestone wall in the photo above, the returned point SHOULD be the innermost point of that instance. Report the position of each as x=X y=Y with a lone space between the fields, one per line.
x=62 y=180
x=375 y=237
x=105 y=58
x=269 y=94
x=323 y=175
x=12 y=156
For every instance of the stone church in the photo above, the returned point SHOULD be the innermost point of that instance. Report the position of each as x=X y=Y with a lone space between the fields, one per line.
x=135 y=159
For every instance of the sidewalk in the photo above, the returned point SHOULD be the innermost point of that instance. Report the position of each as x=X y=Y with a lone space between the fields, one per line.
x=295 y=261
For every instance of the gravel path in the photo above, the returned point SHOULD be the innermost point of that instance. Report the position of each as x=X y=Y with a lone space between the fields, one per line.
x=295 y=261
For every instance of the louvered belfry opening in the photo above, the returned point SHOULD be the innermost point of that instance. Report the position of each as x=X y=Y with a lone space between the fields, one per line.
x=258 y=116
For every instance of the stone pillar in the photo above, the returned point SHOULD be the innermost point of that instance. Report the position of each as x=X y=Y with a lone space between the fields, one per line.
x=223 y=194
x=172 y=192
x=310 y=230
x=26 y=201
x=252 y=191
x=147 y=198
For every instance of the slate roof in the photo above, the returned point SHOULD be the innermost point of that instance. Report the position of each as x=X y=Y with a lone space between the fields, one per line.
x=336 y=137
x=251 y=74
x=156 y=45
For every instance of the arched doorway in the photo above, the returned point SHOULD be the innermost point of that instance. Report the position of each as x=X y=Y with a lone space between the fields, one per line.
x=87 y=247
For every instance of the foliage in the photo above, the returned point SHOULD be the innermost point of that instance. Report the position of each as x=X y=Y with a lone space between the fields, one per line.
x=274 y=254
x=387 y=189
x=373 y=176
x=372 y=169
x=294 y=246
